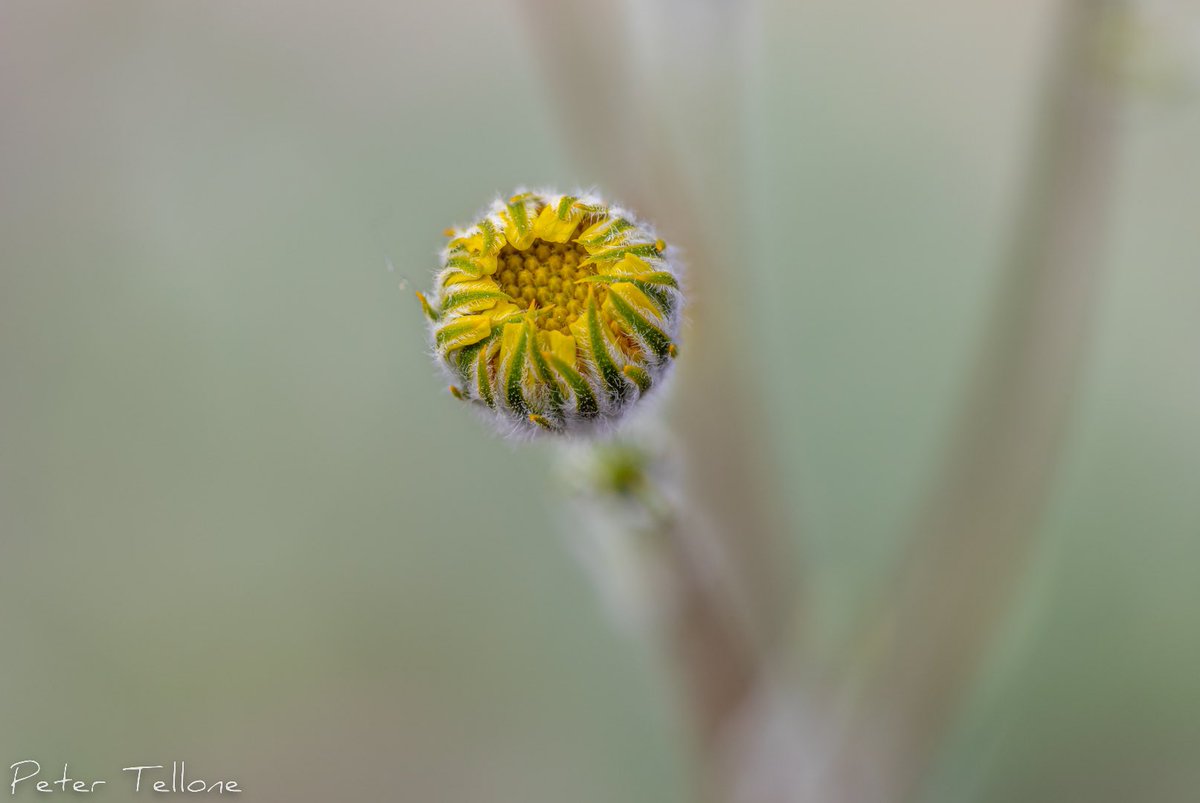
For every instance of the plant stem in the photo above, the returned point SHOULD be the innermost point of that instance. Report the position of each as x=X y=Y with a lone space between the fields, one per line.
x=978 y=526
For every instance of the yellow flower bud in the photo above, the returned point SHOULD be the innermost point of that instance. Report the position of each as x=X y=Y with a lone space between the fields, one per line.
x=555 y=313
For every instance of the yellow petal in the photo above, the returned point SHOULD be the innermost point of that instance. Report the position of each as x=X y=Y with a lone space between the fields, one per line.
x=481 y=244
x=487 y=262
x=560 y=345
x=463 y=331
x=582 y=339
x=472 y=296
x=474 y=285
x=508 y=339
x=502 y=310
x=636 y=298
x=557 y=221
x=631 y=265
x=452 y=276
x=579 y=332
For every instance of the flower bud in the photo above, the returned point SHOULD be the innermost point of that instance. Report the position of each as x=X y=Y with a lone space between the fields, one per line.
x=554 y=313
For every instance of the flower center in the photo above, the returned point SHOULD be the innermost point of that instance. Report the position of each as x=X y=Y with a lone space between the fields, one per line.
x=547 y=273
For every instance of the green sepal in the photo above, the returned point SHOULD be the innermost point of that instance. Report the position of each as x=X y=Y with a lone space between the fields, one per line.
x=482 y=380
x=445 y=336
x=453 y=302
x=512 y=382
x=543 y=370
x=613 y=379
x=657 y=278
x=585 y=400
x=564 y=207
x=466 y=264
x=608 y=235
x=654 y=289
x=520 y=215
x=427 y=308
x=617 y=253
x=658 y=342
x=466 y=356
x=661 y=297
x=639 y=376
x=490 y=235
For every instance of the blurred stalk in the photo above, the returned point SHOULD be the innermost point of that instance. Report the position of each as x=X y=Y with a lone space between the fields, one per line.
x=724 y=545
x=628 y=490
x=978 y=525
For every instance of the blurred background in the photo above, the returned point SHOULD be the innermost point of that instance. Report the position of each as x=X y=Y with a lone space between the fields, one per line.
x=242 y=524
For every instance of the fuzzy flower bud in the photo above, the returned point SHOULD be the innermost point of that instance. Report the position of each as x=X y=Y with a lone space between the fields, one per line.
x=554 y=313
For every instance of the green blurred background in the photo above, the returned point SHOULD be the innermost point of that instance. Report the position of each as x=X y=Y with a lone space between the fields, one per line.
x=242 y=524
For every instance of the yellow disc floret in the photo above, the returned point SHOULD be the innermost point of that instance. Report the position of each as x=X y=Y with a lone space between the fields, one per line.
x=555 y=312
x=552 y=275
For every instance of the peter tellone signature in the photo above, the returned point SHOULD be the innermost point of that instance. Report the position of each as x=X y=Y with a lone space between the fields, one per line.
x=27 y=774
